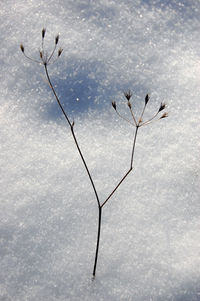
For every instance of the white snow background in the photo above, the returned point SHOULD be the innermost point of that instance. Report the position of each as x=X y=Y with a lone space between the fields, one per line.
x=150 y=243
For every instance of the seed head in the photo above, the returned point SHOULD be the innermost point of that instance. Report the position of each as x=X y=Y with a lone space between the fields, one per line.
x=162 y=107
x=146 y=99
x=60 y=51
x=22 y=47
x=114 y=105
x=128 y=95
x=56 y=39
x=43 y=32
x=164 y=115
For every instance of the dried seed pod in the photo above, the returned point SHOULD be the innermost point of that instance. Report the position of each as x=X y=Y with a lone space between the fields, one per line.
x=60 y=51
x=146 y=99
x=56 y=39
x=162 y=107
x=114 y=105
x=164 y=115
x=22 y=47
x=41 y=54
x=43 y=32
x=128 y=95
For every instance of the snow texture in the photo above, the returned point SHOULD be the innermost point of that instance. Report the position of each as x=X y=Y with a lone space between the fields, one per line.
x=150 y=243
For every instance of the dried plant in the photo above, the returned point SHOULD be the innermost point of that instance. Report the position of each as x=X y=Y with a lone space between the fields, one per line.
x=45 y=60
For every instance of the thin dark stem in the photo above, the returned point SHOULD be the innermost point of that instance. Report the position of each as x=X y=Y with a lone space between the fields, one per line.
x=130 y=169
x=46 y=60
x=73 y=134
x=150 y=120
x=133 y=116
x=133 y=149
x=124 y=118
x=98 y=240
x=54 y=92
x=52 y=53
x=141 y=116
x=32 y=60
x=110 y=195
x=88 y=172
x=86 y=167
x=116 y=187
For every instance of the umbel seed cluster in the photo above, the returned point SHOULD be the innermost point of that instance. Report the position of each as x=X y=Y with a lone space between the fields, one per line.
x=45 y=59
x=138 y=123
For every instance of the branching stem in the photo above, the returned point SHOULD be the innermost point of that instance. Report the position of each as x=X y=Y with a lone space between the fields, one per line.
x=110 y=195
x=45 y=60
x=100 y=206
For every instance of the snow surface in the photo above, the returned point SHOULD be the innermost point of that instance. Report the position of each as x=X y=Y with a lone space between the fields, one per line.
x=150 y=243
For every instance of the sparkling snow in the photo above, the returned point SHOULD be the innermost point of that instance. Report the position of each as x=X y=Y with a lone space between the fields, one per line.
x=150 y=243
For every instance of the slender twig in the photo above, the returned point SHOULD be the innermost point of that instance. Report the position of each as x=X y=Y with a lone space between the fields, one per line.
x=110 y=195
x=52 y=54
x=124 y=118
x=132 y=114
x=98 y=240
x=54 y=92
x=100 y=206
x=45 y=60
x=130 y=169
x=150 y=120
x=85 y=165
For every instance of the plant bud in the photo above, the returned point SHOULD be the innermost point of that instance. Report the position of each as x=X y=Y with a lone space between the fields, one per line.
x=56 y=39
x=162 y=107
x=128 y=95
x=164 y=115
x=43 y=32
x=129 y=104
x=22 y=48
x=60 y=51
x=146 y=99
x=114 y=105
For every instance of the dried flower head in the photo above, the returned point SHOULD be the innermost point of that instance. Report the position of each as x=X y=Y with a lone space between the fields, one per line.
x=146 y=99
x=43 y=32
x=128 y=95
x=164 y=115
x=162 y=107
x=44 y=57
x=114 y=105
x=56 y=39
x=139 y=122
x=60 y=51
x=22 y=48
